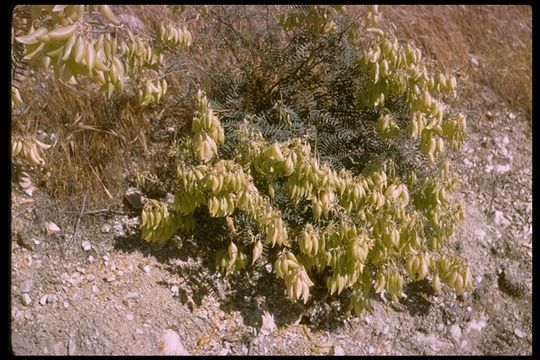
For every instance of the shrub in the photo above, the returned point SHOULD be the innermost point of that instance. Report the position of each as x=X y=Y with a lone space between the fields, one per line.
x=364 y=198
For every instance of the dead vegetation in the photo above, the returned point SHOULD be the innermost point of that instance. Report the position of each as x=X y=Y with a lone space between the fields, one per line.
x=498 y=38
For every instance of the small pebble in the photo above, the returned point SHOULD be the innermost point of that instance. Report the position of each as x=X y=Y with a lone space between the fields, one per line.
x=455 y=330
x=90 y=259
x=110 y=278
x=130 y=317
x=147 y=268
x=105 y=258
x=72 y=347
x=95 y=289
x=26 y=299
x=59 y=348
x=26 y=286
x=106 y=228
x=86 y=245
x=66 y=304
x=519 y=333
x=139 y=331
x=338 y=350
x=174 y=289
x=90 y=277
x=170 y=344
x=132 y=295
x=43 y=299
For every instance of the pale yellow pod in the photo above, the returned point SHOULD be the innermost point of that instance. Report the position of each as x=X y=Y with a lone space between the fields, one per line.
x=79 y=52
x=232 y=251
x=458 y=284
x=106 y=11
x=62 y=33
x=380 y=282
x=375 y=73
x=257 y=251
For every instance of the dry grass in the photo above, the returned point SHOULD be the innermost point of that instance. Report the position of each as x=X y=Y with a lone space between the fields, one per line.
x=93 y=137
x=499 y=37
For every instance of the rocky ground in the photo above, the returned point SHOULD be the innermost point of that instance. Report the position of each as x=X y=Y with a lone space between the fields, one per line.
x=90 y=286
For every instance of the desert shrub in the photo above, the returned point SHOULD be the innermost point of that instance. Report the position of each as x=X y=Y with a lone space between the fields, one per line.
x=324 y=136
x=319 y=136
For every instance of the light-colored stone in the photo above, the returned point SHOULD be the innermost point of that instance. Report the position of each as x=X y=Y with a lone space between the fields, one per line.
x=50 y=227
x=86 y=245
x=170 y=344
x=59 y=348
x=519 y=333
x=26 y=299
x=130 y=317
x=43 y=300
x=72 y=347
x=455 y=331
x=338 y=350
x=105 y=228
x=131 y=295
x=26 y=286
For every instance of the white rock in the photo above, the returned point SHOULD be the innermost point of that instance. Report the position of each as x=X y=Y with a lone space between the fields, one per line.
x=50 y=227
x=170 y=344
x=455 y=331
x=105 y=258
x=86 y=245
x=147 y=268
x=474 y=61
x=500 y=219
x=95 y=289
x=467 y=163
x=26 y=286
x=501 y=169
x=26 y=299
x=175 y=289
x=105 y=228
x=338 y=350
x=480 y=234
x=131 y=295
x=72 y=347
x=90 y=277
x=59 y=348
x=139 y=331
x=224 y=351
x=91 y=259
x=43 y=299
x=130 y=317
x=268 y=323
x=519 y=333
x=476 y=325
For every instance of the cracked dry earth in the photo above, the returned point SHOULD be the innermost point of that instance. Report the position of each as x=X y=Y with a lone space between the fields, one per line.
x=107 y=292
